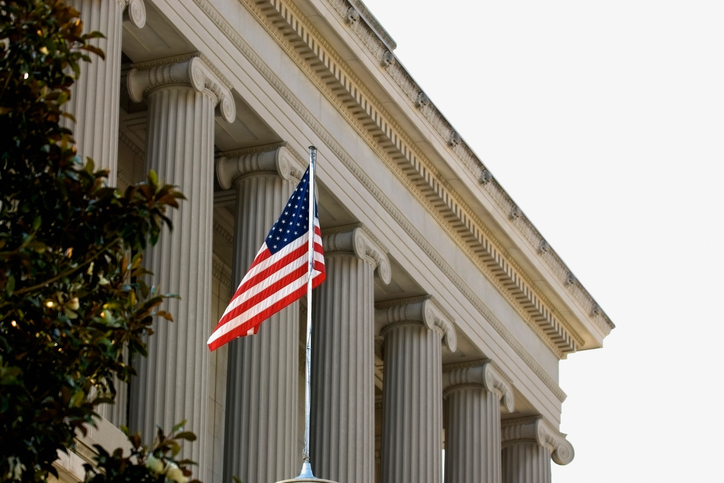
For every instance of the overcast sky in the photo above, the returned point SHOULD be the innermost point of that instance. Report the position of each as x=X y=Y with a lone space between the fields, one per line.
x=604 y=120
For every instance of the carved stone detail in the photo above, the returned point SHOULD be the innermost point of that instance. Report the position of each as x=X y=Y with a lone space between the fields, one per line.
x=425 y=311
x=280 y=160
x=359 y=242
x=194 y=72
x=485 y=176
x=422 y=100
x=483 y=374
x=543 y=247
x=388 y=58
x=515 y=213
x=536 y=429
x=455 y=139
x=352 y=16
x=135 y=12
x=571 y=279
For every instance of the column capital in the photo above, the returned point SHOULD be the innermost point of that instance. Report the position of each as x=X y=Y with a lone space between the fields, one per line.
x=358 y=240
x=535 y=429
x=232 y=166
x=135 y=12
x=419 y=309
x=478 y=374
x=194 y=72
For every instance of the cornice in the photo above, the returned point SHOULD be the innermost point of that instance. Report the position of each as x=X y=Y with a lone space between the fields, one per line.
x=376 y=46
x=219 y=269
x=130 y=144
x=401 y=153
x=223 y=232
x=355 y=170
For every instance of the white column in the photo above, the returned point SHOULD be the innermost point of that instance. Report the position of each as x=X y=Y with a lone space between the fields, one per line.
x=260 y=443
x=473 y=392
x=528 y=446
x=172 y=382
x=412 y=404
x=342 y=435
x=94 y=103
x=94 y=100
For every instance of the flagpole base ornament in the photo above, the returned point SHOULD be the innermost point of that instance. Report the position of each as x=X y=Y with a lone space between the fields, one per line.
x=306 y=475
x=300 y=479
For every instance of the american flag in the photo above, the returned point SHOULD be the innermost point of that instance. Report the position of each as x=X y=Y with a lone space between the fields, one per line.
x=279 y=274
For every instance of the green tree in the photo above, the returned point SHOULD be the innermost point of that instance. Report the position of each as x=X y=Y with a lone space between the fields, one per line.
x=72 y=296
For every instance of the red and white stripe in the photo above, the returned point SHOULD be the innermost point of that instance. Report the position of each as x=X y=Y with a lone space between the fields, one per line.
x=272 y=283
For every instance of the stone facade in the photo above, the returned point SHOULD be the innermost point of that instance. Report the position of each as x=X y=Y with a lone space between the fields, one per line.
x=443 y=301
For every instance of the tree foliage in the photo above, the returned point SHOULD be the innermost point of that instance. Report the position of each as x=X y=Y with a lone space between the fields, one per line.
x=72 y=290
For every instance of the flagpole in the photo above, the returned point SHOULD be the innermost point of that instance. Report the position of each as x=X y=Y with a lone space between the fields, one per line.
x=307 y=465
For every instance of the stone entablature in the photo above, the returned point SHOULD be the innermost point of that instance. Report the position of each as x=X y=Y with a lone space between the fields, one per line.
x=338 y=151
x=300 y=40
x=377 y=45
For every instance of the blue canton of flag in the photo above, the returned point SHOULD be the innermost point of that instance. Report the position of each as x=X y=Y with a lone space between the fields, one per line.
x=280 y=271
x=294 y=220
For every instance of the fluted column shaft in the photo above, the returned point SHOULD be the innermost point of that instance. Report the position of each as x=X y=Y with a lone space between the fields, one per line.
x=263 y=375
x=172 y=384
x=412 y=407
x=473 y=427
x=94 y=100
x=342 y=435
x=472 y=436
x=526 y=462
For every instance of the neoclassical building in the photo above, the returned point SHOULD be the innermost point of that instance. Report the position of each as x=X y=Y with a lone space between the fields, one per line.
x=445 y=313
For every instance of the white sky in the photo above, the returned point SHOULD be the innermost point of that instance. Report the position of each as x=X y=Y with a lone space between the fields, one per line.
x=605 y=122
